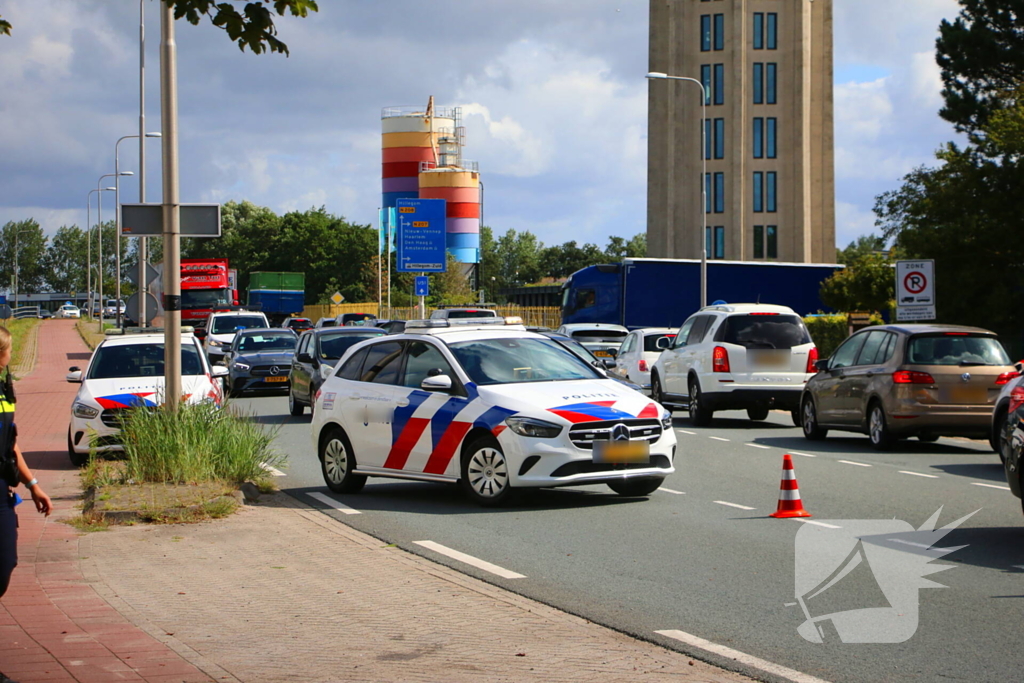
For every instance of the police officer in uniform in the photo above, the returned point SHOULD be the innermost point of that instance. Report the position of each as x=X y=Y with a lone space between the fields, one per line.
x=13 y=471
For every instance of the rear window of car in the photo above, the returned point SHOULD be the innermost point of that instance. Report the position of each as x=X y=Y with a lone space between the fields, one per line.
x=599 y=335
x=764 y=331
x=334 y=346
x=651 y=341
x=482 y=313
x=955 y=349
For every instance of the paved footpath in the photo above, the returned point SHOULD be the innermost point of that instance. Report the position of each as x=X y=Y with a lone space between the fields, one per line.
x=276 y=592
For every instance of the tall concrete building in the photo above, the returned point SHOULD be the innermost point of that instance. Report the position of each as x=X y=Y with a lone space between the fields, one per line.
x=766 y=66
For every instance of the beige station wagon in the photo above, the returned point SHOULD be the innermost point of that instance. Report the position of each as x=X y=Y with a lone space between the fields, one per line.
x=896 y=381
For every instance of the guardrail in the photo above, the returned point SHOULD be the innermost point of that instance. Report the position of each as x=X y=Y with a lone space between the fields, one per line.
x=26 y=312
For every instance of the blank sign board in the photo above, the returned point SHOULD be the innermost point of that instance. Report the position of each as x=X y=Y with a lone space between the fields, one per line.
x=147 y=220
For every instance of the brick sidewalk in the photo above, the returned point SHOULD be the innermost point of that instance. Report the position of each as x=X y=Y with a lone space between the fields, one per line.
x=53 y=625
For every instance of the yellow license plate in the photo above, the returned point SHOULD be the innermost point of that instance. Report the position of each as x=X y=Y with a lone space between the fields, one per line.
x=602 y=354
x=276 y=379
x=772 y=360
x=615 y=452
x=968 y=395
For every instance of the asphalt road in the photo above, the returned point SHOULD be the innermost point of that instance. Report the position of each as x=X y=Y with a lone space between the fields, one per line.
x=692 y=557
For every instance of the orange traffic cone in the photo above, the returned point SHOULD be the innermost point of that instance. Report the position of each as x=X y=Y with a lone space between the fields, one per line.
x=789 y=493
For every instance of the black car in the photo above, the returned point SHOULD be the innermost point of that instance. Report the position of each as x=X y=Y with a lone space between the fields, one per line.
x=391 y=326
x=259 y=360
x=584 y=353
x=315 y=357
x=1013 y=442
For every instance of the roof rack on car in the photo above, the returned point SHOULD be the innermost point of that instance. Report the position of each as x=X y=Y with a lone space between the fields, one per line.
x=185 y=329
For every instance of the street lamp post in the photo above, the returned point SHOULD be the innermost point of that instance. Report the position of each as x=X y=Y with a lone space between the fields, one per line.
x=17 y=272
x=656 y=75
x=117 y=219
x=171 y=208
x=88 y=246
x=99 y=230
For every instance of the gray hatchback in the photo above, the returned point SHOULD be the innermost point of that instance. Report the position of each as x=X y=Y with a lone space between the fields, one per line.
x=896 y=381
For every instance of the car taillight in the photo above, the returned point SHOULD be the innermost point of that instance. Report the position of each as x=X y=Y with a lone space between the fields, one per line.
x=720 y=360
x=1006 y=377
x=812 y=358
x=642 y=365
x=317 y=397
x=912 y=377
x=1016 y=398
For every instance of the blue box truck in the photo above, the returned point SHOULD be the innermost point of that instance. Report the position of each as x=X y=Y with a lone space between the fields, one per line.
x=647 y=292
x=278 y=295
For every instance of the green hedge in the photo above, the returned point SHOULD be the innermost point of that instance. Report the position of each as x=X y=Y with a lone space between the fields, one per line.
x=828 y=332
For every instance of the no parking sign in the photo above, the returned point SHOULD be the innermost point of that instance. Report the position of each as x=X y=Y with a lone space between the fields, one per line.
x=915 y=290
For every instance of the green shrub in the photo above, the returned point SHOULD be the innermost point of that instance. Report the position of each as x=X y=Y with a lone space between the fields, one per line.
x=827 y=332
x=198 y=443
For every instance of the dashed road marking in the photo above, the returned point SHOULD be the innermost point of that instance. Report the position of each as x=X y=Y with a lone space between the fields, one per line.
x=803 y=455
x=678 y=493
x=741 y=657
x=734 y=505
x=990 y=486
x=851 y=462
x=918 y=474
x=815 y=523
x=757 y=445
x=333 y=504
x=717 y=438
x=470 y=560
x=273 y=470
x=683 y=431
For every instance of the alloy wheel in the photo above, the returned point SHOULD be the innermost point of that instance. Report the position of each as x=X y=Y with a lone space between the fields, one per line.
x=488 y=472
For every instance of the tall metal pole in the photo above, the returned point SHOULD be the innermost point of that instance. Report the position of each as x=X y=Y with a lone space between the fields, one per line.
x=17 y=234
x=142 y=245
x=117 y=223
x=88 y=250
x=99 y=251
x=172 y=215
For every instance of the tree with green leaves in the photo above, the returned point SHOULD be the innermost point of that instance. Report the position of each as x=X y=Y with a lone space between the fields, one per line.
x=865 y=245
x=564 y=260
x=65 y=260
x=866 y=284
x=252 y=27
x=23 y=244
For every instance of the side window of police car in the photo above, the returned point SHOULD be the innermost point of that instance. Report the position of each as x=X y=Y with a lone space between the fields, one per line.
x=352 y=369
x=382 y=363
x=425 y=360
x=683 y=333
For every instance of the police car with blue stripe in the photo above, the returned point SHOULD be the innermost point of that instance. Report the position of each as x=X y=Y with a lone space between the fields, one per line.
x=488 y=405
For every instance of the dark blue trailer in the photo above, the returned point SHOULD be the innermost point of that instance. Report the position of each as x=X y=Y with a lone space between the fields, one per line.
x=643 y=292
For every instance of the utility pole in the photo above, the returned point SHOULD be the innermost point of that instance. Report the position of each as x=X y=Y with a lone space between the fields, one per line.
x=171 y=209
x=143 y=245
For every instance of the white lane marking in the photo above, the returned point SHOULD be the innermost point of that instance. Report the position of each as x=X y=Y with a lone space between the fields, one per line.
x=333 y=504
x=683 y=431
x=273 y=470
x=470 y=560
x=734 y=505
x=717 y=438
x=741 y=657
x=803 y=455
x=811 y=521
x=918 y=474
x=990 y=486
x=850 y=462
x=757 y=445
x=678 y=493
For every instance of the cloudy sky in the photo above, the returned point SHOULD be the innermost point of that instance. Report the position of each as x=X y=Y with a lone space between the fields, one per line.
x=553 y=96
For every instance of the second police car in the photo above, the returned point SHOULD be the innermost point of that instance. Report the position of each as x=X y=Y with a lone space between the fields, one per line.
x=490 y=406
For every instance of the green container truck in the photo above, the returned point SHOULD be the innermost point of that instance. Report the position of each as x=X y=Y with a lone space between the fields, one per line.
x=278 y=295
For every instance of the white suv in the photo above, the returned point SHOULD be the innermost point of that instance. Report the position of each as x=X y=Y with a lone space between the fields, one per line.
x=756 y=357
x=221 y=328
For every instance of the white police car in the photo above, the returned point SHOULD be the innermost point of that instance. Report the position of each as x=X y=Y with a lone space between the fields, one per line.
x=491 y=406
x=127 y=371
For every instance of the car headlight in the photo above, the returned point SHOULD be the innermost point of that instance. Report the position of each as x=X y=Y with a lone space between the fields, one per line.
x=242 y=366
x=85 y=412
x=528 y=426
x=666 y=421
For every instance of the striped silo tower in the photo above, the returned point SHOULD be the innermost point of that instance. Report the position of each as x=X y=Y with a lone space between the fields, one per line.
x=409 y=138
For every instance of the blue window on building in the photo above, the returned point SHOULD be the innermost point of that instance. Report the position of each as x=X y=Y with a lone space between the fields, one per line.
x=758 y=83
x=719 y=31
x=719 y=241
x=705 y=32
x=769 y=89
x=758 y=138
x=705 y=80
x=719 y=87
x=770 y=191
x=707 y=193
x=758 y=192
x=758 y=30
x=719 y=193
x=719 y=138
x=708 y=138
x=773 y=242
x=708 y=242
x=772 y=29
x=758 y=241
x=770 y=137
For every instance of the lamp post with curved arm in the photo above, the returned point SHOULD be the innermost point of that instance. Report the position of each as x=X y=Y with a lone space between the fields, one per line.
x=117 y=221
x=656 y=75
x=99 y=230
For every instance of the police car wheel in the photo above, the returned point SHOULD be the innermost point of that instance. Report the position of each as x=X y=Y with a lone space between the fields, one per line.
x=337 y=463
x=485 y=477
x=632 y=488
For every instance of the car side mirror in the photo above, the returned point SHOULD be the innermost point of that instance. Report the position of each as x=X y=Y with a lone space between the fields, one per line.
x=437 y=383
x=608 y=362
x=664 y=343
x=304 y=357
x=74 y=368
x=614 y=353
x=219 y=370
x=821 y=365
x=75 y=376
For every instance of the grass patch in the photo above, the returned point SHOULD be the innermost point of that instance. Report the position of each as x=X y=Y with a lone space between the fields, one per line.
x=89 y=331
x=21 y=330
x=215 y=509
x=88 y=523
x=197 y=443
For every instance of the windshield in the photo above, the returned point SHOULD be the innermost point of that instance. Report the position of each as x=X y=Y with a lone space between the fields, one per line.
x=334 y=346
x=760 y=331
x=958 y=349
x=258 y=343
x=589 y=336
x=228 y=323
x=141 y=360
x=506 y=361
x=205 y=298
